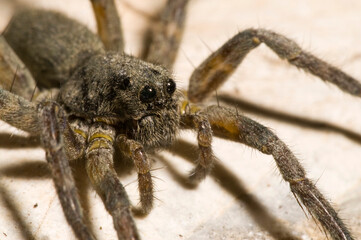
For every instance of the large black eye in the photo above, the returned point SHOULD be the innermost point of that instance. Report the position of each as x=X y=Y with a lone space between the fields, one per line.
x=147 y=94
x=125 y=83
x=121 y=82
x=170 y=86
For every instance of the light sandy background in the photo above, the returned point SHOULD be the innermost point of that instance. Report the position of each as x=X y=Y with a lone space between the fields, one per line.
x=29 y=208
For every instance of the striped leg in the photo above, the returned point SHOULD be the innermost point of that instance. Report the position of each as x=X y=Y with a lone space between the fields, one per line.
x=100 y=169
x=216 y=69
x=232 y=126
x=109 y=25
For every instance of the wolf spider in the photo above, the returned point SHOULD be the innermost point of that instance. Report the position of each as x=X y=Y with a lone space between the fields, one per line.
x=85 y=121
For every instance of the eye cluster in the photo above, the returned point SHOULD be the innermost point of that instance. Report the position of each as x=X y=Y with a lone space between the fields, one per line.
x=148 y=93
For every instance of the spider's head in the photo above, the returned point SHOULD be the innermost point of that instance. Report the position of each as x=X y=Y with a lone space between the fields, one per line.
x=139 y=97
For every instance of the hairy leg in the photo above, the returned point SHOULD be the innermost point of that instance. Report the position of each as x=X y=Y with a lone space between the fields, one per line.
x=52 y=141
x=135 y=151
x=166 y=36
x=232 y=126
x=48 y=121
x=216 y=69
x=19 y=112
x=108 y=24
x=15 y=77
x=100 y=169
x=194 y=118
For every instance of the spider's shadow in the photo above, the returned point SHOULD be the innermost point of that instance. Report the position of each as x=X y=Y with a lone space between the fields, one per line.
x=288 y=118
x=39 y=170
x=234 y=186
x=36 y=170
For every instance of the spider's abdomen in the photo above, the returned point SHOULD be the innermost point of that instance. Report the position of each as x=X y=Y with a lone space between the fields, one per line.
x=50 y=44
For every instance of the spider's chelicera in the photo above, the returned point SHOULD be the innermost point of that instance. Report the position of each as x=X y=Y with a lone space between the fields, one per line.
x=107 y=100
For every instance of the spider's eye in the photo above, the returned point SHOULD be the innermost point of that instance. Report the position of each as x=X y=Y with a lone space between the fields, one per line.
x=120 y=82
x=170 y=86
x=147 y=94
x=125 y=83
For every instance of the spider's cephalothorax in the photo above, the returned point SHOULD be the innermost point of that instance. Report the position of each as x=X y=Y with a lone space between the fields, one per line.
x=141 y=101
x=137 y=97
x=105 y=99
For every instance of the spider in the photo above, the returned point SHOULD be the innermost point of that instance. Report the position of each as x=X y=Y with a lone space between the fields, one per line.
x=235 y=113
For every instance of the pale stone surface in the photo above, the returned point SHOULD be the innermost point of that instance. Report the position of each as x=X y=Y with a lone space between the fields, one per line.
x=331 y=31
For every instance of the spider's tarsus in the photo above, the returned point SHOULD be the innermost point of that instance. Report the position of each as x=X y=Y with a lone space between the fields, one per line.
x=145 y=185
